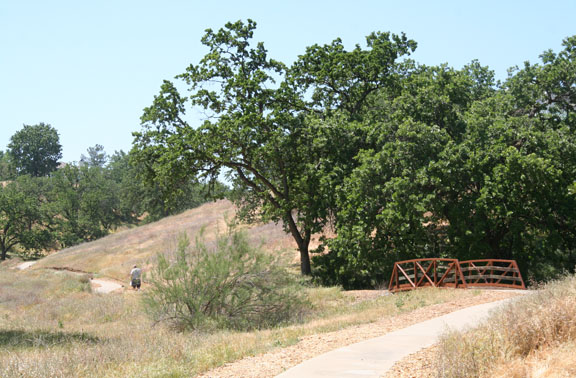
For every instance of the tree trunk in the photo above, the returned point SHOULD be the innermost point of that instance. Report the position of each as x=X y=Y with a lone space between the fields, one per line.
x=303 y=243
x=305 y=268
x=3 y=249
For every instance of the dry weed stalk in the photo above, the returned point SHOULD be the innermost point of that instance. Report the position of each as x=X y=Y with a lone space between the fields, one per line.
x=531 y=325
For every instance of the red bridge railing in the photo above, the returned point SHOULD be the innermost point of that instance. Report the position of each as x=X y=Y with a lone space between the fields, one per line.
x=412 y=274
x=493 y=273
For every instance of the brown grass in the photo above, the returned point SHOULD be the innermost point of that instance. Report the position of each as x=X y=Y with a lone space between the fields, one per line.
x=51 y=325
x=114 y=255
x=559 y=361
x=519 y=341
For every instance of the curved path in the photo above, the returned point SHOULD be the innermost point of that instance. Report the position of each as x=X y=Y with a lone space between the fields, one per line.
x=101 y=286
x=372 y=358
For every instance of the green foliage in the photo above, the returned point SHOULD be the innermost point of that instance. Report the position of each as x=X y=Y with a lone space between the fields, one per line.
x=82 y=202
x=20 y=339
x=7 y=170
x=284 y=152
x=228 y=285
x=404 y=160
x=157 y=199
x=344 y=80
x=466 y=170
x=35 y=150
x=97 y=157
x=87 y=204
x=23 y=217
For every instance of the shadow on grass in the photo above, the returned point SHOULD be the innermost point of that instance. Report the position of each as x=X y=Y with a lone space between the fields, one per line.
x=24 y=339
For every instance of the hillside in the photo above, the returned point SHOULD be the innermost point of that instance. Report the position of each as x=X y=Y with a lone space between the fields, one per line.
x=76 y=325
x=114 y=255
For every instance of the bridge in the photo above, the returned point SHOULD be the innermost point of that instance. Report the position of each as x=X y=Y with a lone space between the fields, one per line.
x=437 y=272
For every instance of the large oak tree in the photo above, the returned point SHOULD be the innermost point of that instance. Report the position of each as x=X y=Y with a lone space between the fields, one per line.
x=277 y=143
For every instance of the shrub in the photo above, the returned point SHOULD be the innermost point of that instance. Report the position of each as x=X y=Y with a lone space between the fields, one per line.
x=228 y=285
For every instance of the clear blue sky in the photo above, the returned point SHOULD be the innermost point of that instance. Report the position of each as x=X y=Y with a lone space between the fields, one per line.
x=88 y=68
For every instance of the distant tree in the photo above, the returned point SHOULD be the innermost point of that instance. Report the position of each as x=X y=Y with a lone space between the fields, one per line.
x=157 y=199
x=87 y=204
x=24 y=217
x=131 y=190
x=7 y=171
x=97 y=157
x=35 y=150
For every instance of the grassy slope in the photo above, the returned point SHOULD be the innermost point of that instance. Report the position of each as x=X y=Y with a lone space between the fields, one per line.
x=114 y=255
x=52 y=325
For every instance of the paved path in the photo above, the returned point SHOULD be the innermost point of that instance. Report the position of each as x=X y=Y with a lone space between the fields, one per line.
x=372 y=358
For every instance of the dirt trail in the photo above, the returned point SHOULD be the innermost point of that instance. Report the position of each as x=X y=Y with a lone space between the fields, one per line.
x=25 y=265
x=99 y=285
x=105 y=286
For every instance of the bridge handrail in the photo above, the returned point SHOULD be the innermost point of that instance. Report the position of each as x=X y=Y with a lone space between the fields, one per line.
x=480 y=272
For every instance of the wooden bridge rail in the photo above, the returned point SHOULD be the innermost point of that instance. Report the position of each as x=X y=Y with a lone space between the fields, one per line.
x=412 y=274
x=492 y=272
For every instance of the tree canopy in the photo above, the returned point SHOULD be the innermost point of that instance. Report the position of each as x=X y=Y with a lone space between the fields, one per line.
x=264 y=131
x=23 y=216
x=35 y=150
x=465 y=169
x=403 y=160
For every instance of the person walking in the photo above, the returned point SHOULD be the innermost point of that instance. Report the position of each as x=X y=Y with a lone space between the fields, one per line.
x=136 y=278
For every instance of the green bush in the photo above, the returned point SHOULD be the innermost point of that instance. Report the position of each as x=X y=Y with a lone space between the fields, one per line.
x=227 y=285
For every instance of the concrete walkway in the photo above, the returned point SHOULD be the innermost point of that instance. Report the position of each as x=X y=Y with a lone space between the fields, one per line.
x=372 y=358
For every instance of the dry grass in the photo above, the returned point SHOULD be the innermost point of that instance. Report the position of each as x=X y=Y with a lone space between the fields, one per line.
x=51 y=325
x=559 y=361
x=114 y=255
x=522 y=340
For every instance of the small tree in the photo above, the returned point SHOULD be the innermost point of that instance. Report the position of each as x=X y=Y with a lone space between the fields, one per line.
x=229 y=285
x=97 y=157
x=35 y=150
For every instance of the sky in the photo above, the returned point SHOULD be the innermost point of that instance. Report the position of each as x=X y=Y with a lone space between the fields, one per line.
x=89 y=68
